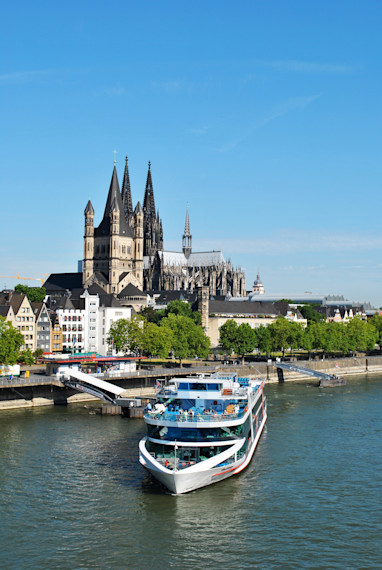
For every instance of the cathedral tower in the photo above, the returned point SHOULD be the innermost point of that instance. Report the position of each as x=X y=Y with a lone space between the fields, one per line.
x=138 y=215
x=152 y=225
x=87 y=269
x=110 y=249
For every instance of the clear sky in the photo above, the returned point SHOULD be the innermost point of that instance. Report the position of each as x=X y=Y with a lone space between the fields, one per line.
x=263 y=115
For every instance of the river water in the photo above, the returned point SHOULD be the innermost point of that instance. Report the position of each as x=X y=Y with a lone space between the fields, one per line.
x=72 y=494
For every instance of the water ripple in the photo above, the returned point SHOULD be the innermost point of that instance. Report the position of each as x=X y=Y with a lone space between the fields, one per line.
x=73 y=494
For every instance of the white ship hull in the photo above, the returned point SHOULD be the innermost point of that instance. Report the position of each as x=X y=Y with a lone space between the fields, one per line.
x=203 y=473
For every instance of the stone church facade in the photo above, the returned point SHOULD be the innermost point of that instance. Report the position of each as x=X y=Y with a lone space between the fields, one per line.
x=126 y=249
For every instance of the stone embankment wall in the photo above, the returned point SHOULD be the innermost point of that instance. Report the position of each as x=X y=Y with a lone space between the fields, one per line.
x=44 y=391
x=340 y=367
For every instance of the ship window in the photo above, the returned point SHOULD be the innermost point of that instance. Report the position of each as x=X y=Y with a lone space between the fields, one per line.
x=198 y=386
x=213 y=387
x=184 y=386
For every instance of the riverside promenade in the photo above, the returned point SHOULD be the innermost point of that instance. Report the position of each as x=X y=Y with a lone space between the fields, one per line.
x=42 y=390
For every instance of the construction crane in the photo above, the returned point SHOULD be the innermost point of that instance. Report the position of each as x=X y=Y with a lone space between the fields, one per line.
x=42 y=279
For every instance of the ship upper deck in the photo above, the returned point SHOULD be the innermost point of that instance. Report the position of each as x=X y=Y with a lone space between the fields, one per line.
x=205 y=401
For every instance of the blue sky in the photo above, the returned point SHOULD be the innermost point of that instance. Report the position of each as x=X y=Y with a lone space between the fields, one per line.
x=263 y=116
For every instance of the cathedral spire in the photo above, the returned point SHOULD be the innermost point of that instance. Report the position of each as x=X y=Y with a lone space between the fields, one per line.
x=126 y=192
x=149 y=202
x=187 y=224
x=187 y=237
x=113 y=203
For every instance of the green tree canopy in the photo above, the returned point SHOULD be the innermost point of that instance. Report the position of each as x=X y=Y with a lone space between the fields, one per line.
x=182 y=308
x=118 y=336
x=156 y=340
x=135 y=327
x=376 y=322
x=11 y=340
x=228 y=335
x=26 y=357
x=360 y=334
x=188 y=338
x=240 y=339
x=151 y=315
x=280 y=334
x=309 y=313
x=34 y=294
x=263 y=339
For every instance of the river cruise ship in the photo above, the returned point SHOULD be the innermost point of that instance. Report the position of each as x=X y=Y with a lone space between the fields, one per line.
x=202 y=430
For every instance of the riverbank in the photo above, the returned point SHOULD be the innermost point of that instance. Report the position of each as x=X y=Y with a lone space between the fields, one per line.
x=47 y=391
x=340 y=367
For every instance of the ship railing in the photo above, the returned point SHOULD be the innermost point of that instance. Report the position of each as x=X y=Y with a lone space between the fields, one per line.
x=177 y=463
x=195 y=416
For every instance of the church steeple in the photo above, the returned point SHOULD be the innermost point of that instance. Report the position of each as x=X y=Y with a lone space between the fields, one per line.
x=187 y=237
x=152 y=229
x=149 y=202
x=113 y=203
x=126 y=192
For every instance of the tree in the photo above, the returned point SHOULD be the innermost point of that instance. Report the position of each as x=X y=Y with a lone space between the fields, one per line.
x=295 y=335
x=376 y=322
x=118 y=336
x=183 y=308
x=11 y=340
x=199 y=342
x=246 y=340
x=279 y=331
x=318 y=331
x=310 y=314
x=228 y=335
x=308 y=339
x=26 y=357
x=240 y=339
x=156 y=340
x=263 y=339
x=135 y=328
x=333 y=339
x=360 y=334
x=150 y=314
x=34 y=294
x=188 y=338
x=126 y=335
x=38 y=353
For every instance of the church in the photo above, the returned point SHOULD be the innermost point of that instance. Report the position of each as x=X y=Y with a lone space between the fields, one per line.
x=126 y=248
x=188 y=270
x=124 y=254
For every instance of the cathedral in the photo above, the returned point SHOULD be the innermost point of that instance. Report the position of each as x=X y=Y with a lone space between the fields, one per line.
x=126 y=249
